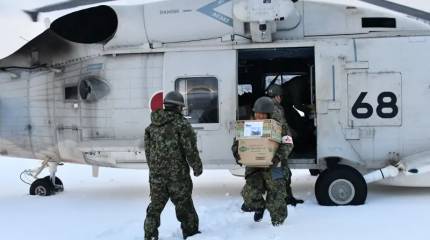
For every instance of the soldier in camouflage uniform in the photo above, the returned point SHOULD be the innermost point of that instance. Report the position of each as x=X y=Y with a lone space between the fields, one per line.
x=275 y=92
x=267 y=180
x=170 y=148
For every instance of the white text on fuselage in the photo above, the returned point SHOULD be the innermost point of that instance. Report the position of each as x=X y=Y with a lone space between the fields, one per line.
x=174 y=11
x=171 y=11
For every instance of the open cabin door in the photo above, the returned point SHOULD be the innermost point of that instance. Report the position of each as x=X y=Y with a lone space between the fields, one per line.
x=293 y=69
x=207 y=79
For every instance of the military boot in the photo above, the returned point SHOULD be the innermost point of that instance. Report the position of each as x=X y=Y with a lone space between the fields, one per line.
x=293 y=201
x=277 y=223
x=258 y=215
x=151 y=238
x=245 y=208
x=186 y=235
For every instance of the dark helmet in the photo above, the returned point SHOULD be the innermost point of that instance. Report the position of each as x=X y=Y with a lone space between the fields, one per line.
x=274 y=90
x=264 y=105
x=174 y=98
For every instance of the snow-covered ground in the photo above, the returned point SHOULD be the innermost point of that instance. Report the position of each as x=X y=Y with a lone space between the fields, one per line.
x=113 y=207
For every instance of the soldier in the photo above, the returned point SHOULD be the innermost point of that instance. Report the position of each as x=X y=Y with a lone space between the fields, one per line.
x=170 y=148
x=270 y=180
x=275 y=92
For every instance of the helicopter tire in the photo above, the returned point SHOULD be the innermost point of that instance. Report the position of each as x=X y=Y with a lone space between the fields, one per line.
x=42 y=187
x=59 y=187
x=342 y=185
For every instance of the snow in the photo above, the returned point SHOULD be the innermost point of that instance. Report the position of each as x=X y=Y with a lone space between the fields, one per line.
x=113 y=207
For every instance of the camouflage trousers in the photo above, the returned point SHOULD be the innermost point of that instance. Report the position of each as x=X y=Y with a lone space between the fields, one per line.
x=259 y=182
x=179 y=192
x=288 y=174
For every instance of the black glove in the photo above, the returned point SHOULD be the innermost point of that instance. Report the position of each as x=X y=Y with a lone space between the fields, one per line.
x=238 y=160
x=236 y=156
x=198 y=172
x=235 y=151
x=275 y=160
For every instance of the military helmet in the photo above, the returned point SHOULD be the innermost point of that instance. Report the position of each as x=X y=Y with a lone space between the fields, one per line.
x=274 y=90
x=264 y=105
x=174 y=98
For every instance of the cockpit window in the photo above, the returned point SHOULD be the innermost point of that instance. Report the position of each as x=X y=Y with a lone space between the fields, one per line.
x=201 y=98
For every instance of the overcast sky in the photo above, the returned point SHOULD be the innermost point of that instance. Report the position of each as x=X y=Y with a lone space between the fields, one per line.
x=17 y=28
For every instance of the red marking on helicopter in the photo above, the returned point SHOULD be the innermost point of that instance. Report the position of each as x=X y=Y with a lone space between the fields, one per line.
x=156 y=101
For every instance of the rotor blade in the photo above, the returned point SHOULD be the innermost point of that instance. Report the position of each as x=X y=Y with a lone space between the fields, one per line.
x=400 y=8
x=61 y=6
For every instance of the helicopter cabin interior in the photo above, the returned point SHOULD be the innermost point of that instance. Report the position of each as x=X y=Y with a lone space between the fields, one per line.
x=293 y=70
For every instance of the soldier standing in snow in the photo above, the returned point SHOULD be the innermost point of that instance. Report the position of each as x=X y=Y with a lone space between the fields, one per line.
x=171 y=149
x=270 y=180
x=275 y=92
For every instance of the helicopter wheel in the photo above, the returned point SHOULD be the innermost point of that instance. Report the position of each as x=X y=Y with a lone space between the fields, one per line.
x=342 y=185
x=58 y=187
x=42 y=187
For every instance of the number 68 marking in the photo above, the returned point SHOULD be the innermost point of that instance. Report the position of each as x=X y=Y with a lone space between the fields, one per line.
x=382 y=104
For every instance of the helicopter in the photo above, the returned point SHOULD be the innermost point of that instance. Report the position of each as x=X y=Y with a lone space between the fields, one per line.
x=353 y=76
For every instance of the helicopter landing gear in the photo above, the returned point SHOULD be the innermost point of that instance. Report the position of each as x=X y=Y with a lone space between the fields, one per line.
x=45 y=187
x=42 y=187
x=48 y=185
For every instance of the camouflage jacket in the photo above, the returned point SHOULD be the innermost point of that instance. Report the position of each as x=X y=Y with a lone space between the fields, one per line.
x=171 y=146
x=287 y=144
x=278 y=112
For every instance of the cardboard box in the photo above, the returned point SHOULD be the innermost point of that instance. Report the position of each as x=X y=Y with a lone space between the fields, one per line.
x=257 y=152
x=254 y=129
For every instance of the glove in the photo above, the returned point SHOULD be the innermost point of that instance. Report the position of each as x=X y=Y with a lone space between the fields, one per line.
x=198 y=172
x=237 y=161
x=235 y=151
x=236 y=156
x=275 y=160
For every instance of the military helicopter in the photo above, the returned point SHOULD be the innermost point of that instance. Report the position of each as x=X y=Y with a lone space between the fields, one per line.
x=34 y=14
x=353 y=76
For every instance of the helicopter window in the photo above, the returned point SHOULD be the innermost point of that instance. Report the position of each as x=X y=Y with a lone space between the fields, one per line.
x=71 y=93
x=245 y=97
x=201 y=98
x=280 y=79
x=244 y=89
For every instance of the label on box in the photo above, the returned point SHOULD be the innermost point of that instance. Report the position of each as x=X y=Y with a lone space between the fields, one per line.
x=253 y=129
